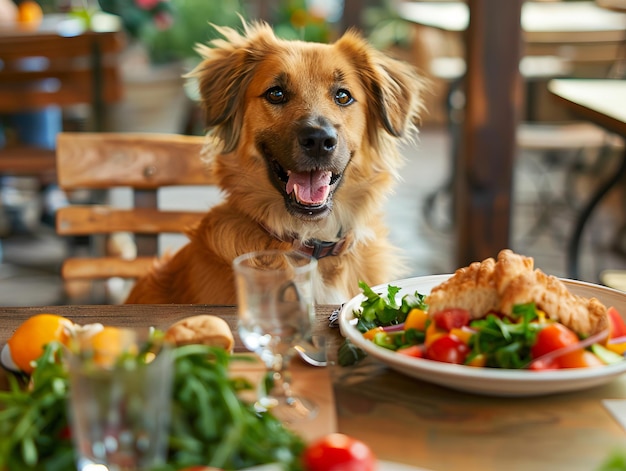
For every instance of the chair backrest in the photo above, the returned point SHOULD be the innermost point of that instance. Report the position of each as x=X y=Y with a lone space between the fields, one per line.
x=47 y=67
x=143 y=162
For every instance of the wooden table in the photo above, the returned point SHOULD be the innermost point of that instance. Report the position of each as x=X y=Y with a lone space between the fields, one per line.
x=601 y=102
x=542 y=22
x=616 y=5
x=413 y=422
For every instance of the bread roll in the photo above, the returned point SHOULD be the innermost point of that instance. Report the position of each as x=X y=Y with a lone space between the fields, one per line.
x=201 y=329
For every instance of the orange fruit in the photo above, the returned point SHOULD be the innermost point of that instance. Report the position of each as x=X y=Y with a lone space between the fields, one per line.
x=109 y=343
x=28 y=341
x=29 y=12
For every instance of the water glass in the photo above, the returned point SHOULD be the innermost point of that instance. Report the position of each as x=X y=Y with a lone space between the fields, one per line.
x=276 y=312
x=120 y=398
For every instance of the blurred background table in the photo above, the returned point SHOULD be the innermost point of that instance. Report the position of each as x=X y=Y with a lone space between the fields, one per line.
x=493 y=41
x=601 y=102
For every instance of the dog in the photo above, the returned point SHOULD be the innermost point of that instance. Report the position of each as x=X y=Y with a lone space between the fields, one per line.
x=303 y=139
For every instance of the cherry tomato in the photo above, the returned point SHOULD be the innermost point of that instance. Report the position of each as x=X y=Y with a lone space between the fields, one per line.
x=617 y=326
x=416 y=351
x=448 y=349
x=338 y=452
x=452 y=318
x=552 y=337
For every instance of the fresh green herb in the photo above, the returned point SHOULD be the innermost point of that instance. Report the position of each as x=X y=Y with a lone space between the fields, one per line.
x=377 y=310
x=211 y=426
x=33 y=424
x=505 y=343
x=349 y=354
x=615 y=462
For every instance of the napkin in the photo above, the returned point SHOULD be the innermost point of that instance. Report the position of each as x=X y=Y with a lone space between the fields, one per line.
x=617 y=408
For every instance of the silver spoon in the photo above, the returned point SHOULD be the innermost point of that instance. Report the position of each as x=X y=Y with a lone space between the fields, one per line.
x=314 y=352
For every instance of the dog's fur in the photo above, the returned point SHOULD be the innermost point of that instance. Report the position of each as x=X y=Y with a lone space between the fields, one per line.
x=275 y=107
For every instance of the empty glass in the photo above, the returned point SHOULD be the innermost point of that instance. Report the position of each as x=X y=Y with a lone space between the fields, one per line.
x=276 y=311
x=120 y=397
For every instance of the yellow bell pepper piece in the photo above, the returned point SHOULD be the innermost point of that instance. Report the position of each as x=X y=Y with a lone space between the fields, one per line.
x=433 y=333
x=416 y=319
x=463 y=335
x=370 y=334
x=479 y=360
x=619 y=348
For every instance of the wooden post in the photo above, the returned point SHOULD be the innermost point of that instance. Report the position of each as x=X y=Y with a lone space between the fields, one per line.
x=488 y=146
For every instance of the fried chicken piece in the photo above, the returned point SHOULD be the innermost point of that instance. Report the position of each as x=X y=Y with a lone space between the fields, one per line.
x=499 y=285
x=472 y=288
x=582 y=315
x=509 y=266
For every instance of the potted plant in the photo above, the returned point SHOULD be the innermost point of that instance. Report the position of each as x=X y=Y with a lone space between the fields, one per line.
x=162 y=37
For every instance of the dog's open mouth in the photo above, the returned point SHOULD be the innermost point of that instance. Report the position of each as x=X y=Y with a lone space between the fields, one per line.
x=308 y=193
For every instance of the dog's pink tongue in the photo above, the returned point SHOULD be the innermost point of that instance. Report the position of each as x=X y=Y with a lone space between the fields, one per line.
x=309 y=187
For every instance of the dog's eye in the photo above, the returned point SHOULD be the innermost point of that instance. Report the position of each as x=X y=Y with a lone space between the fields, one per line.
x=275 y=95
x=343 y=97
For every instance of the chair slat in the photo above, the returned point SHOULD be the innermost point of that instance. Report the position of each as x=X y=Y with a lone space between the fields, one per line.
x=96 y=219
x=91 y=160
x=144 y=162
x=105 y=267
x=24 y=89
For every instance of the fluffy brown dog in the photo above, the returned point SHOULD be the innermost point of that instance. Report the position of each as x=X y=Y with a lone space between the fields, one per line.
x=303 y=143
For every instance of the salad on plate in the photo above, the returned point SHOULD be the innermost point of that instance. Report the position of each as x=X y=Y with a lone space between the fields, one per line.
x=497 y=314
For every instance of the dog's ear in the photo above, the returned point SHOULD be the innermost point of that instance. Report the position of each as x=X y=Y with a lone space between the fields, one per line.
x=224 y=75
x=393 y=87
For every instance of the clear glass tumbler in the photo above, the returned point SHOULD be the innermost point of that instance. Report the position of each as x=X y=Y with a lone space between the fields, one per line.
x=276 y=312
x=120 y=399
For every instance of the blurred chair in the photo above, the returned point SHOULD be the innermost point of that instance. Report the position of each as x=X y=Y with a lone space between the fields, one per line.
x=562 y=143
x=143 y=162
x=46 y=68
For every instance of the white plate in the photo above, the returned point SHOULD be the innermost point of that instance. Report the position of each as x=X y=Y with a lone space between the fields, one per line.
x=488 y=381
x=382 y=466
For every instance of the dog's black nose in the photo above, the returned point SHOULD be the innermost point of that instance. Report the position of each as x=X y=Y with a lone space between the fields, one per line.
x=318 y=141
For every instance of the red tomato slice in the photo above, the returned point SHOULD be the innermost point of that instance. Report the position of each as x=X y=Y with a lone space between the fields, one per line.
x=552 y=337
x=448 y=349
x=416 y=351
x=617 y=326
x=452 y=318
x=338 y=452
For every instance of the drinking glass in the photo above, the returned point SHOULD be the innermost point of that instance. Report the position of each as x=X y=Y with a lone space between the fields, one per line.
x=120 y=398
x=276 y=311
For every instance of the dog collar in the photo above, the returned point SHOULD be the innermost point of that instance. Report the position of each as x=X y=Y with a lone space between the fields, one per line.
x=314 y=247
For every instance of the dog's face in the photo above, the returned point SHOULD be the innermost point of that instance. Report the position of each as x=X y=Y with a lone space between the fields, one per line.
x=299 y=121
x=306 y=112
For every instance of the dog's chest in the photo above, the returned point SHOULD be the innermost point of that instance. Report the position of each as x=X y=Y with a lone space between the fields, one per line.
x=327 y=294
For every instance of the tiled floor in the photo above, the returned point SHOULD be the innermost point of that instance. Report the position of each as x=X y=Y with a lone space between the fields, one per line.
x=30 y=263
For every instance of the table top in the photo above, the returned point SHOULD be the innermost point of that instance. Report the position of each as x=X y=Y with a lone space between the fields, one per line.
x=617 y=5
x=598 y=100
x=541 y=21
x=413 y=422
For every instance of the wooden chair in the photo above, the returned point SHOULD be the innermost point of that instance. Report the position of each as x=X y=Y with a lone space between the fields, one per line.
x=142 y=162
x=42 y=68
